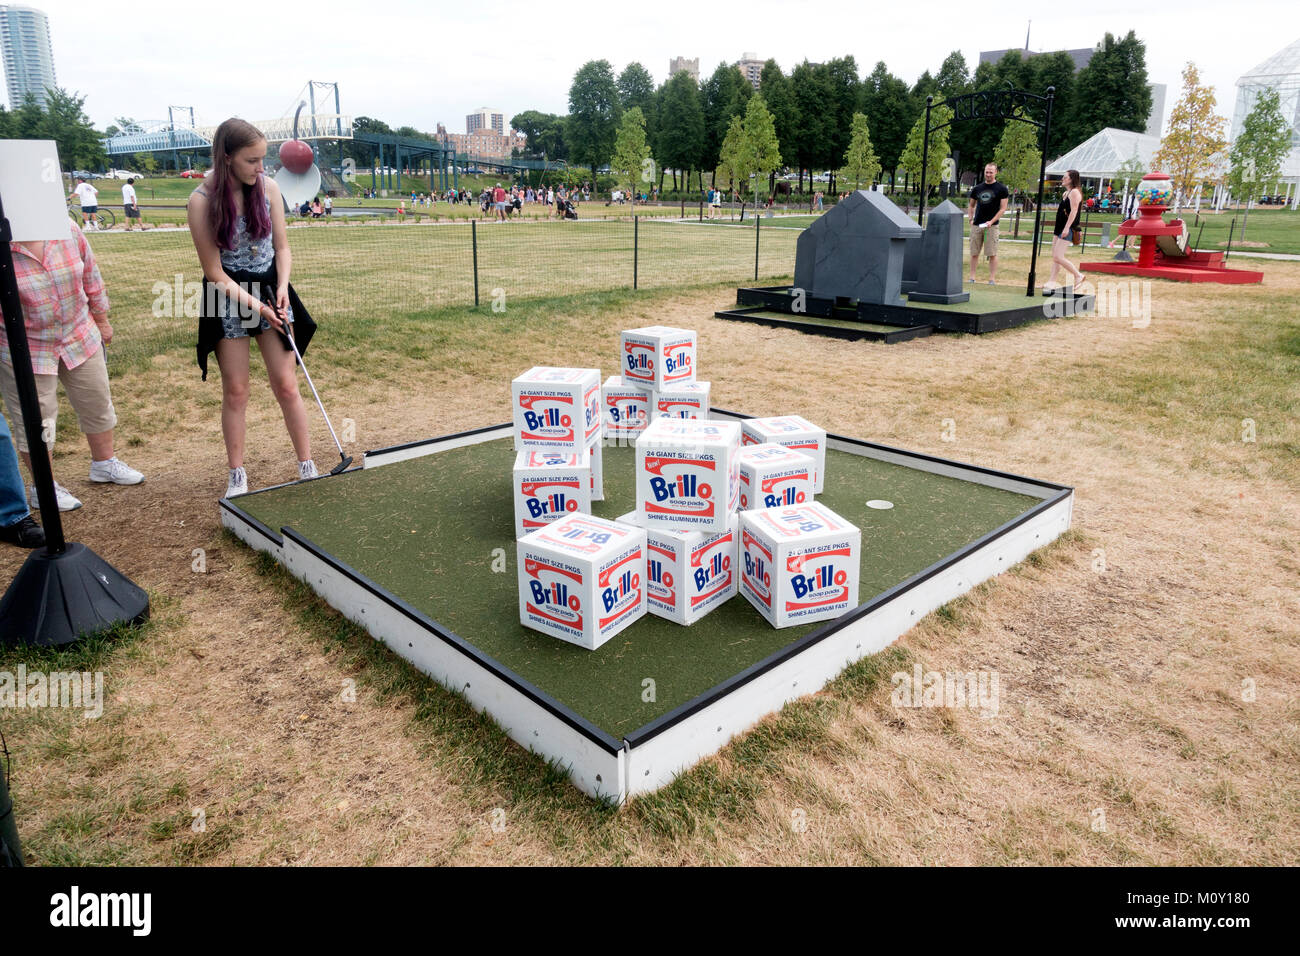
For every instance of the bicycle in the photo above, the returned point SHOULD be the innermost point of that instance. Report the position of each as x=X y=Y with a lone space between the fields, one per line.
x=103 y=218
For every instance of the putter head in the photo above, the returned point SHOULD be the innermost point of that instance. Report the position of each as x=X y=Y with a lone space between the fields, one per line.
x=341 y=467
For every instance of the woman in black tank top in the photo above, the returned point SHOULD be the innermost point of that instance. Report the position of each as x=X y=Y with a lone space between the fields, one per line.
x=1067 y=214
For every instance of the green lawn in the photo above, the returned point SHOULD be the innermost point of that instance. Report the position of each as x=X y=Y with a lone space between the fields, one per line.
x=370 y=272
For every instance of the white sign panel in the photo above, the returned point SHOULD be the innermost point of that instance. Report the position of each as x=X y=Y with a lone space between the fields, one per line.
x=31 y=185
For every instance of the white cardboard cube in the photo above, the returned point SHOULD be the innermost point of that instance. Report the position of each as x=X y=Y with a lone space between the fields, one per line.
x=688 y=573
x=556 y=409
x=686 y=473
x=582 y=579
x=799 y=564
x=658 y=356
x=549 y=485
x=772 y=475
x=625 y=410
x=690 y=400
x=794 y=432
x=597 y=455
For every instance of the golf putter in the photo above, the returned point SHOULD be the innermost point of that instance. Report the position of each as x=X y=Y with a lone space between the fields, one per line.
x=344 y=460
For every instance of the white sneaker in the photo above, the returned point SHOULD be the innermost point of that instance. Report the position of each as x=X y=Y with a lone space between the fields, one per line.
x=116 y=471
x=307 y=469
x=237 y=484
x=66 y=499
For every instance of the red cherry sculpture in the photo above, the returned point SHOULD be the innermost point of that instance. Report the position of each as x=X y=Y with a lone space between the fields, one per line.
x=295 y=155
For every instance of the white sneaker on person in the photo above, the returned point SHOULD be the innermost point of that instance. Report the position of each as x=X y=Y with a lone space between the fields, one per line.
x=237 y=483
x=116 y=471
x=66 y=499
x=307 y=469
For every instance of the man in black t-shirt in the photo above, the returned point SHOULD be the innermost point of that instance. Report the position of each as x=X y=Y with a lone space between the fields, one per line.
x=988 y=201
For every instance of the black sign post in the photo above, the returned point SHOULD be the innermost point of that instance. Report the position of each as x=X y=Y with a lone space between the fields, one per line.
x=64 y=590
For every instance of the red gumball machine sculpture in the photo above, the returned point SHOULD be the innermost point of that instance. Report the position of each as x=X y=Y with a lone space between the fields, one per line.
x=1164 y=252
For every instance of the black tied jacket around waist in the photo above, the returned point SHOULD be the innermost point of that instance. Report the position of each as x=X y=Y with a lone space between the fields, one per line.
x=210 y=326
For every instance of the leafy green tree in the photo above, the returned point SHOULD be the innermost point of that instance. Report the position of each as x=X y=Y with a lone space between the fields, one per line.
x=1258 y=151
x=679 y=143
x=594 y=112
x=953 y=78
x=635 y=87
x=66 y=123
x=1195 y=137
x=912 y=152
x=810 y=85
x=861 y=164
x=1018 y=156
x=774 y=86
x=750 y=146
x=1112 y=90
x=1056 y=70
x=1130 y=172
x=888 y=108
x=146 y=162
x=844 y=92
x=630 y=150
x=545 y=133
x=723 y=95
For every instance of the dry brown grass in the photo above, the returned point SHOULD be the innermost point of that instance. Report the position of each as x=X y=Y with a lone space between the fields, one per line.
x=1121 y=688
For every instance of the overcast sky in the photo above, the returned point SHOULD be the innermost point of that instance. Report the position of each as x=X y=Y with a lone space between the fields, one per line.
x=417 y=63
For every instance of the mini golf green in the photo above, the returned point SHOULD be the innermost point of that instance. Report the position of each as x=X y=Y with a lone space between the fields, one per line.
x=426 y=530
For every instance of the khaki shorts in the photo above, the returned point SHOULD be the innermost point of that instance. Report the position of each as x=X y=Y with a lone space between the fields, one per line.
x=88 y=394
x=984 y=239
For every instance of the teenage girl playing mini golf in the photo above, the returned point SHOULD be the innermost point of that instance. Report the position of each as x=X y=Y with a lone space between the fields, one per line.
x=236 y=220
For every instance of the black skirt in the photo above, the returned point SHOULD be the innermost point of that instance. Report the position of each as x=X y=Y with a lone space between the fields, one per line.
x=210 y=327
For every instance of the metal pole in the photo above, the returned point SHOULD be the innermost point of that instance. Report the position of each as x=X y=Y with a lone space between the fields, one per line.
x=473 y=233
x=636 y=244
x=25 y=380
x=1042 y=174
x=758 y=224
x=925 y=161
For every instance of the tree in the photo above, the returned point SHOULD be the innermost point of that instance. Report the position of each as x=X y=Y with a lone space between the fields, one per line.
x=1130 y=172
x=811 y=88
x=544 y=131
x=910 y=160
x=1112 y=90
x=889 y=112
x=630 y=150
x=146 y=162
x=774 y=87
x=844 y=91
x=860 y=161
x=1017 y=155
x=679 y=143
x=62 y=120
x=593 y=114
x=723 y=95
x=954 y=77
x=635 y=88
x=750 y=146
x=1263 y=143
x=1189 y=150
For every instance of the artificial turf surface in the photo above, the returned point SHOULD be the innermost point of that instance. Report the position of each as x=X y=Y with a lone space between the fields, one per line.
x=425 y=530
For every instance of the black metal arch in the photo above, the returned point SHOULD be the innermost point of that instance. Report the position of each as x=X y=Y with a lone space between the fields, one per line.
x=996 y=104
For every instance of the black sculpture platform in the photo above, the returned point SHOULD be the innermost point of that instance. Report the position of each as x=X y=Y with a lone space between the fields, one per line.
x=989 y=309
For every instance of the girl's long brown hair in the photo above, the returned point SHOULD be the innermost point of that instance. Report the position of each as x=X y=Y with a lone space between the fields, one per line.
x=232 y=136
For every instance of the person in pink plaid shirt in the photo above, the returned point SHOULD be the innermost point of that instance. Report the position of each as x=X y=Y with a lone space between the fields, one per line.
x=65 y=309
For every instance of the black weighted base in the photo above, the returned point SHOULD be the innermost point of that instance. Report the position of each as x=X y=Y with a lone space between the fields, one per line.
x=56 y=599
